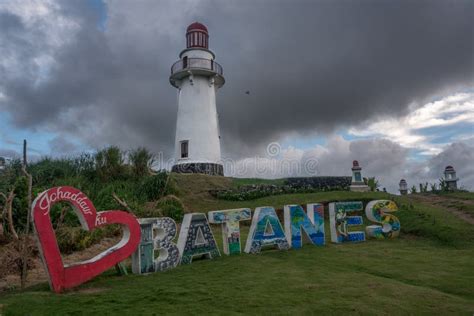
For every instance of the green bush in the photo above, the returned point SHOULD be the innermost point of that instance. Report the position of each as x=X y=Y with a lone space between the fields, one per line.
x=156 y=186
x=109 y=164
x=171 y=206
x=141 y=160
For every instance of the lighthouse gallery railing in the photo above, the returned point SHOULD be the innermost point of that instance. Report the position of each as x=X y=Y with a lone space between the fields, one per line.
x=200 y=63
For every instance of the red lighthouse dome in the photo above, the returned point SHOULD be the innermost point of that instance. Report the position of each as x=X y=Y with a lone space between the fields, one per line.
x=197 y=36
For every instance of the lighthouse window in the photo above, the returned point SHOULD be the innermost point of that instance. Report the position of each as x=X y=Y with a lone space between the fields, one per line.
x=184 y=149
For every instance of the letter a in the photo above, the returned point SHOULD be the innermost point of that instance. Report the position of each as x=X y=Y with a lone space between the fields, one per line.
x=266 y=230
x=196 y=238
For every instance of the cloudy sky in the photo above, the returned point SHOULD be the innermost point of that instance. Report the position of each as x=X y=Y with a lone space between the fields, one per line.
x=389 y=83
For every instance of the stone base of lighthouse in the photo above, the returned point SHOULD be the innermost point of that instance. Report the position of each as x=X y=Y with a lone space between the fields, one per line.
x=212 y=169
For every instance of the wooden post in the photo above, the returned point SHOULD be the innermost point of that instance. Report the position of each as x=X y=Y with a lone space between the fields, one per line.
x=24 y=252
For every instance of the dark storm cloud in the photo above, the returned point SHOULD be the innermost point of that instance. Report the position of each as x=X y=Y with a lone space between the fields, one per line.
x=310 y=66
x=61 y=146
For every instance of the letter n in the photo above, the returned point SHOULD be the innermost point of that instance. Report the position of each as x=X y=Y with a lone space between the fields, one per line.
x=296 y=221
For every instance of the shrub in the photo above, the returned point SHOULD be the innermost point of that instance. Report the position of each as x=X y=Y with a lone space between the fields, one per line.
x=141 y=160
x=126 y=190
x=157 y=186
x=47 y=170
x=109 y=164
x=171 y=206
x=84 y=164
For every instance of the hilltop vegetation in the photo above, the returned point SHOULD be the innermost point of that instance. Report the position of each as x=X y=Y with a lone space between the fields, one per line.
x=114 y=179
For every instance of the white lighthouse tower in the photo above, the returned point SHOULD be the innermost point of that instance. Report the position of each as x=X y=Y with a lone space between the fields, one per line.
x=197 y=77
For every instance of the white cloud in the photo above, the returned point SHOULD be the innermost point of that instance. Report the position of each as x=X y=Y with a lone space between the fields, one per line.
x=383 y=159
x=408 y=130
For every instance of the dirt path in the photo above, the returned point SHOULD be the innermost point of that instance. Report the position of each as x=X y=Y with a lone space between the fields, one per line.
x=448 y=203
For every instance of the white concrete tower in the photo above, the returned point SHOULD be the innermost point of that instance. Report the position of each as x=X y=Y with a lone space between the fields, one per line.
x=197 y=77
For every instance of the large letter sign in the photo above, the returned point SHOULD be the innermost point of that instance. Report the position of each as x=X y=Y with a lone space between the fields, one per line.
x=230 y=227
x=312 y=224
x=196 y=238
x=339 y=221
x=266 y=230
x=376 y=211
x=150 y=240
x=62 y=276
x=157 y=235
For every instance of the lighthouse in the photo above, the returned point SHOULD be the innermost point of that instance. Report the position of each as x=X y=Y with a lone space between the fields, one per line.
x=450 y=178
x=197 y=77
x=403 y=187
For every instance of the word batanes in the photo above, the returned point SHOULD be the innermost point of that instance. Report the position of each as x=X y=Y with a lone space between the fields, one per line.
x=196 y=238
x=147 y=237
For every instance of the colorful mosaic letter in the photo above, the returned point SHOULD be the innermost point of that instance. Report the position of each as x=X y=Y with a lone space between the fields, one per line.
x=296 y=221
x=266 y=230
x=196 y=238
x=157 y=235
x=376 y=211
x=230 y=227
x=63 y=276
x=339 y=222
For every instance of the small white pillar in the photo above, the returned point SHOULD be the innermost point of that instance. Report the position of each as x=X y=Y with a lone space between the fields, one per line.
x=358 y=184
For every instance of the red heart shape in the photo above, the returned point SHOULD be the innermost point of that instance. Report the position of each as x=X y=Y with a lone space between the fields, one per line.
x=62 y=277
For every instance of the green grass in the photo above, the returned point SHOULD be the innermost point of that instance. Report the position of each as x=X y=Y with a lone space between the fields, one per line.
x=459 y=205
x=433 y=222
x=278 y=201
x=401 y=276
x=428 y=270
x=238 y=182
x=460 y=195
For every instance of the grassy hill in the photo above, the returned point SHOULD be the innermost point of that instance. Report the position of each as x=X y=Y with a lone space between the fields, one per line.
x=429 y=269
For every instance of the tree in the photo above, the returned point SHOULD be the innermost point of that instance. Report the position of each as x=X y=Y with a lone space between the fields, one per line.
x=373 y=184
x=424 y=187
x=443 y=186
x=413 y=189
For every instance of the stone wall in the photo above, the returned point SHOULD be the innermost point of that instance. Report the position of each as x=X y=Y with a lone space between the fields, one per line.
x=326 y=183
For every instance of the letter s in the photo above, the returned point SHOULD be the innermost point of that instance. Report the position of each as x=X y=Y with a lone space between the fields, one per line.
x=378 y=211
